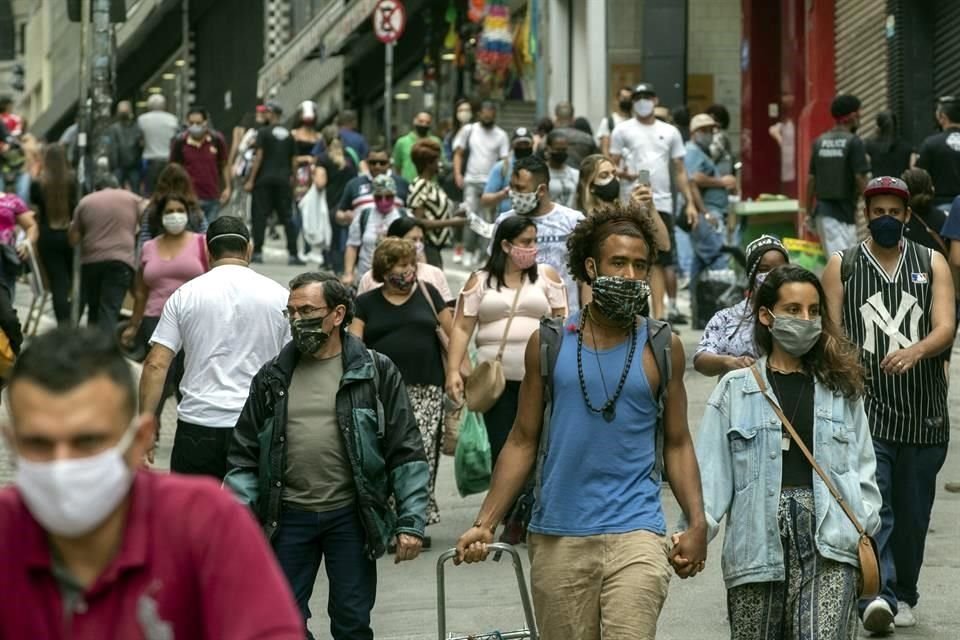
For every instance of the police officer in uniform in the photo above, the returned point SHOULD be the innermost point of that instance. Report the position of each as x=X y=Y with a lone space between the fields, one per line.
x=838 y=175
x=940 y=153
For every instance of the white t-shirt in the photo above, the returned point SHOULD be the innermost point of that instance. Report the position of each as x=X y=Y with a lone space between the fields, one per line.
x=563 y=185
x=486 y=147
x=552 y=232
x=367 y=238
x=652 y=147
x=158 y=129
x=229 y=323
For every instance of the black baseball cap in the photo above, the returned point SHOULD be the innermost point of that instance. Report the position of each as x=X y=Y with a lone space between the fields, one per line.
x=644 y=88
x=275 y=107
x=521 y=134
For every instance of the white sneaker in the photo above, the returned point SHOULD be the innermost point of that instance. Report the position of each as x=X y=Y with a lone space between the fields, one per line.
x=906 y=617
x=878 y=617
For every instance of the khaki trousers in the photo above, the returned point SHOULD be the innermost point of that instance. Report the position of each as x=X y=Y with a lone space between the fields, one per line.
x=609 y=586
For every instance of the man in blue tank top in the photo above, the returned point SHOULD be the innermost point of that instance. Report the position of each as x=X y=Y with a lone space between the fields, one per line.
x=896 y=299
x=600 y=558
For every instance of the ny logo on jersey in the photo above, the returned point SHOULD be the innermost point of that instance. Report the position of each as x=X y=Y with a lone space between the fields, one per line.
x=876 y=315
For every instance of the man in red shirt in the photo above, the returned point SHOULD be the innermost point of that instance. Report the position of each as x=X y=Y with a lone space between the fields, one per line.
x=92 y=546
x=203 y=153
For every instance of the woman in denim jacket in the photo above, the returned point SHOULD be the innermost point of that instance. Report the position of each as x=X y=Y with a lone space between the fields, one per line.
x=790 y=553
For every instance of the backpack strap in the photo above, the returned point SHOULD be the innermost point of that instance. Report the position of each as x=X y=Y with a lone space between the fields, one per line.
x=364 y=218
x=551 y=336
x=848 y=260
x=661 y=343
x=353 y=156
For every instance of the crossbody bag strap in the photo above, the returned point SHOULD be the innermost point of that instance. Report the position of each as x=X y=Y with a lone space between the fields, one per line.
x=806 y=452
x=506 y=330
x=426 y=294
x=933 y=234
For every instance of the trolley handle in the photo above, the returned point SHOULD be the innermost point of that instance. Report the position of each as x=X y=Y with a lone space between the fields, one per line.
x=521 y=583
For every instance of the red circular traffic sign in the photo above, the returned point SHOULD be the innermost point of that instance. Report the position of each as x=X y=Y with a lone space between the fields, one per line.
x=389 y=20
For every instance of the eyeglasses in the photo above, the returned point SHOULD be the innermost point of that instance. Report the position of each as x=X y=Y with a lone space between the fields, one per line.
x=377 y=162
x=305 y=311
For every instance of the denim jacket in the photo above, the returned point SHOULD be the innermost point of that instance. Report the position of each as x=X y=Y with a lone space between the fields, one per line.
x=739 y=450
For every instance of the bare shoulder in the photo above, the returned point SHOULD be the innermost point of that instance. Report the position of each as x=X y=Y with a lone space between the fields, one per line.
x=550 y=273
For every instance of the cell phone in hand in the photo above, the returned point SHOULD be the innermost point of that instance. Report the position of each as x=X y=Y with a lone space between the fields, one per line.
x=644 y=177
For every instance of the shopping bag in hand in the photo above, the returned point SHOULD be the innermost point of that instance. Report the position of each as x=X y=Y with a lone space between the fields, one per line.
x=472 y=460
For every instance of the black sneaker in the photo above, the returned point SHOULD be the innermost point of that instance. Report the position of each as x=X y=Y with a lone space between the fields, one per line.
x=295 y=261
x=675 y=317
x=257 y=258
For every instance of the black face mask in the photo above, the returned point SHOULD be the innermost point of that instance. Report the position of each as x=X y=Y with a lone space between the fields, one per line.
x=422 y=130
x=626 y=105
x=522 y=152
x=558 y=156
x=308 y=334
x=607 y=192
x=487 y=124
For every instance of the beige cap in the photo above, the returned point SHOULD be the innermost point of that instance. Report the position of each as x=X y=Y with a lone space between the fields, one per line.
x=702 y=120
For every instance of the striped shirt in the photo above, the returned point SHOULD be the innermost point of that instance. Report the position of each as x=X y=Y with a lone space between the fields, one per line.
x=436 y=206
x=882 y=315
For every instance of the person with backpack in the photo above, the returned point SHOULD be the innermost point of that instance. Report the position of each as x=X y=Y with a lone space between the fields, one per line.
x=369 y=228
x=602 y=419
x=790 y=553
x=896 y=302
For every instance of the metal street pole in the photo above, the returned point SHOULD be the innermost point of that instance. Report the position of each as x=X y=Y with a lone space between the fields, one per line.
x=83 y=130
x=388 y=94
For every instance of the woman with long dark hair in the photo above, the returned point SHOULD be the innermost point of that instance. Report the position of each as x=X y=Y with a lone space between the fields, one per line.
x=511 y=274
x=54 y=197
x=790 y=558
x=890 y=154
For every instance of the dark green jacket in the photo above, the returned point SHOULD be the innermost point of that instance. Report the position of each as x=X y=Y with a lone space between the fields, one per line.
x=383 y=444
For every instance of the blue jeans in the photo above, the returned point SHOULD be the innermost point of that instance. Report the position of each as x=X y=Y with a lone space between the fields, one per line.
x=129 y=175
x=707 y=240
x=907 y=477
x=211 y=209
x=303 y=540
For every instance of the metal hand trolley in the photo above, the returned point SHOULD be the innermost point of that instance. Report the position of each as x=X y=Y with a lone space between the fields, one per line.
x=523 y=634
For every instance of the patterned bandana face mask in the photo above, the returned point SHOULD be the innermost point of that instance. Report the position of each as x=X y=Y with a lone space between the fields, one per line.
x=620 y=300
x=308 y=334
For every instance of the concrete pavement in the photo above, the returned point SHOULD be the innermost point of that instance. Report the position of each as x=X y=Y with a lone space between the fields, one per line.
x=483 y=598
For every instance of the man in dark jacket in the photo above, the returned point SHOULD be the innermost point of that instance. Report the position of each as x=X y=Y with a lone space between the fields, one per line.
x=332 y=422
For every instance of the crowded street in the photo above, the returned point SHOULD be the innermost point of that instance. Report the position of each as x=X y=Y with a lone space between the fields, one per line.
x=479 y=319
x=483 y=597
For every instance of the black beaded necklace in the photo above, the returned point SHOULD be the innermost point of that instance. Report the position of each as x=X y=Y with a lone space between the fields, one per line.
x=609 y=408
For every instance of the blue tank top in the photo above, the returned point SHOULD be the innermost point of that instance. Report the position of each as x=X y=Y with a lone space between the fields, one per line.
x=597 y=476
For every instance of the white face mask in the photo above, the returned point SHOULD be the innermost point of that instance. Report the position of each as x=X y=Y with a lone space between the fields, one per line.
x=71 y=498
x=524 y=203
x=464 y=116
x=644 y=108
x=174 y=223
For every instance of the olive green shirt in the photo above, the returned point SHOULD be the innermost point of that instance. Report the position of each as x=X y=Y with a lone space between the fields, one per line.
x=402 y=160
x=318 y=476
